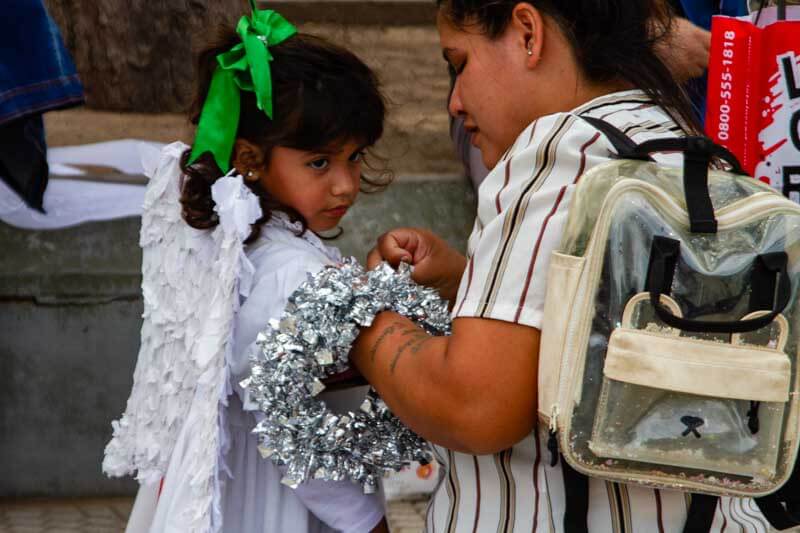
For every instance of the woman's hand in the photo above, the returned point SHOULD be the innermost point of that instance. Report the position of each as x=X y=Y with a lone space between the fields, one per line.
x=435 y=263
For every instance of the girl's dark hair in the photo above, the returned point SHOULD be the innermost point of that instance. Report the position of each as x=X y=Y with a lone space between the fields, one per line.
x=322 y=94
x=611 y=40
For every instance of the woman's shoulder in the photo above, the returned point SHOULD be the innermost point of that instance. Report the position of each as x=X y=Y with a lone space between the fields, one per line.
x=638 y=117
x=549 y=142
x=567 y=134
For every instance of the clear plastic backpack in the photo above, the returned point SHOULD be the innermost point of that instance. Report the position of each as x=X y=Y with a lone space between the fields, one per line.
x=670 y=339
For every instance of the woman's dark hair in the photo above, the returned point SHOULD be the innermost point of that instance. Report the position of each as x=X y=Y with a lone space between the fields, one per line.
x=322 y=95
x=611 y=40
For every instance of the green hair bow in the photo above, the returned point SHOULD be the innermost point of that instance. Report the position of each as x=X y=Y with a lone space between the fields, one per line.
x=245 y=67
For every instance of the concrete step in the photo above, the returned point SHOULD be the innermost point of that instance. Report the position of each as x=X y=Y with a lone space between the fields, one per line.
x=109 y=515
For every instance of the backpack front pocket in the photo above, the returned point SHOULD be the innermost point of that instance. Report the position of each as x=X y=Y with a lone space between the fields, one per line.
x=681 y=401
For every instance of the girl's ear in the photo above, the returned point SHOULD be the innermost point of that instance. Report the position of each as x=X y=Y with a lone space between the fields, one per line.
x=248 y=158
x=529 y=24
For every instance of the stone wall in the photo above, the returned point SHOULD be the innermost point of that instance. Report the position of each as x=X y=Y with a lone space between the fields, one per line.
x=139 y=55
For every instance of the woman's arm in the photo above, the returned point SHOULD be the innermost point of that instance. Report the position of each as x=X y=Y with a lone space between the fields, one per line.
x=474 y=391
x=685 y=50
x=477 y=390
x=682 y=46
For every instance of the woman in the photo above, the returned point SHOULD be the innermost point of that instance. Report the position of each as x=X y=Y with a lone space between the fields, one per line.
x=524 y=72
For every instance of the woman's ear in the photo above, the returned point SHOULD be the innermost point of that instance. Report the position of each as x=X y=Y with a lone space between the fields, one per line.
x=529 y=24
x=248 y=158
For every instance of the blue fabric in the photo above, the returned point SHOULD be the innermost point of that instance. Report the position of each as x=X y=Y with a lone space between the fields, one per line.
x=36 y=71
x=701 y=11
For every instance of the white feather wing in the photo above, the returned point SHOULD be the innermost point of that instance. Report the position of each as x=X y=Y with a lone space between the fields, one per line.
x=190 y=286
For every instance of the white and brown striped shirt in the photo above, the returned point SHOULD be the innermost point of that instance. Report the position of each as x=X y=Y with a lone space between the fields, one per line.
x=522 y=208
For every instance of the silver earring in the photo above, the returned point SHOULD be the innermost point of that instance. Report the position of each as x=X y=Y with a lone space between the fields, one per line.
x=250 y=174
x=530 y=52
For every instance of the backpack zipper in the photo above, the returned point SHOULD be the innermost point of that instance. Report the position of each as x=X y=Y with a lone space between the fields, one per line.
x=552 y=439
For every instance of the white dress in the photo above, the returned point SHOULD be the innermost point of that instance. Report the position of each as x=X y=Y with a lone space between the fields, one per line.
x=282 y=262
x=246 y=494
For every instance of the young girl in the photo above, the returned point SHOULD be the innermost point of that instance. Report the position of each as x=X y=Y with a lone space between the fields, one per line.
x=295 y=175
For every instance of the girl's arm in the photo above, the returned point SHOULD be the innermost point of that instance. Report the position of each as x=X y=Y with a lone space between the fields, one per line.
x=475 y=391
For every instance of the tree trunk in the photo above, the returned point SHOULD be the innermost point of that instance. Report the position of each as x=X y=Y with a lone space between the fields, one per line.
x=138 y=55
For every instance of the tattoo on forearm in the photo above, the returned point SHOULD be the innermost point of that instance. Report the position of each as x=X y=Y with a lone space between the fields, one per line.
x=415 y=344
x=416 y=339
x=420 y=343
x=385 y=333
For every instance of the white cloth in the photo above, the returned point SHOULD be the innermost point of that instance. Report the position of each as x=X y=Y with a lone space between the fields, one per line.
x=71 y=202
x=123 y=155
x=522 y=209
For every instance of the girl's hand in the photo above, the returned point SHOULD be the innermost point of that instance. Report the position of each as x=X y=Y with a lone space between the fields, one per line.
x=435 y=263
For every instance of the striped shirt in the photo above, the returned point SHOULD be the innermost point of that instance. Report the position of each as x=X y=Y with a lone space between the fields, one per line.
x=522 y=209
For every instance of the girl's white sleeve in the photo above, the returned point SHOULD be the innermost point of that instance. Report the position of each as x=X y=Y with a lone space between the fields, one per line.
x=341 y=505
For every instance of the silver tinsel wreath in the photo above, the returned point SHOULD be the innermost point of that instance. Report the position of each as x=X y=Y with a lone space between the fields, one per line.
x=310 y=342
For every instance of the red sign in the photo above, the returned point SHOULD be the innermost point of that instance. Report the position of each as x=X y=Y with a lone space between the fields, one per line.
x=754 y=98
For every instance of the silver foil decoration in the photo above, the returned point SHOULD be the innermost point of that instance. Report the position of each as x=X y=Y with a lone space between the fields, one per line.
x=312 y=341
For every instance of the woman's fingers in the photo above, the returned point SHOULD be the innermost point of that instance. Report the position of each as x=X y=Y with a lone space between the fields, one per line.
x=399 y=245
x=435 y=263
x=373 y=258
x=393 y=247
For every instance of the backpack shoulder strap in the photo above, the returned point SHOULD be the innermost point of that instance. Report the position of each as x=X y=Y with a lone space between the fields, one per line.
x=623 y=144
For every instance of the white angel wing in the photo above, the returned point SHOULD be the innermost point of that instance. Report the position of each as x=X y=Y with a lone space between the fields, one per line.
x=190 y=285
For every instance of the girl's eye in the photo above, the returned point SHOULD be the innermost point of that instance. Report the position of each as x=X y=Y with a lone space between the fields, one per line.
x=356 y=157
x=319 y=164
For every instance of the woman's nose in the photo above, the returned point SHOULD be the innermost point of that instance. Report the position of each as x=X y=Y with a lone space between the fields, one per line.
x=455 y=106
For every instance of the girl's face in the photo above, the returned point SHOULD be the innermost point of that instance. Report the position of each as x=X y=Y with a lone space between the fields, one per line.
x=320 y=185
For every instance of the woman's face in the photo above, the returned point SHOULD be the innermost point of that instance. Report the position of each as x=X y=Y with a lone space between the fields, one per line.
x=489 y=89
